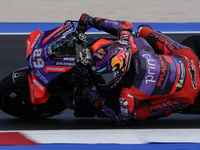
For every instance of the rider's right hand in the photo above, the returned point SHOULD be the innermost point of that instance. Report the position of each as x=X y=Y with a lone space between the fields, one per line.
x=110 y=113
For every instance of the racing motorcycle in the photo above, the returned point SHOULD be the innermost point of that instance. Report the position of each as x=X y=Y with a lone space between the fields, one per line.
x=57 y=75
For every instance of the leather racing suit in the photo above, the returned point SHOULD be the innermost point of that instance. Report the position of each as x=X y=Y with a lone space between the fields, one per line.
x=159 y=80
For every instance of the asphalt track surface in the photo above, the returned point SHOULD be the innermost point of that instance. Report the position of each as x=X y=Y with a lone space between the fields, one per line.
x=12 y=56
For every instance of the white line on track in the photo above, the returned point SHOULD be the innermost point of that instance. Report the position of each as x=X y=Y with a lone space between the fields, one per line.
x=115 y=136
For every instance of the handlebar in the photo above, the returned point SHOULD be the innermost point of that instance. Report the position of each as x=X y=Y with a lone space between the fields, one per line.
x=70 y=21
x=82 y=54
x=81 y=37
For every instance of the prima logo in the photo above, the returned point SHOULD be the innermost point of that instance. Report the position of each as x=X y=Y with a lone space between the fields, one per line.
x=151 y=68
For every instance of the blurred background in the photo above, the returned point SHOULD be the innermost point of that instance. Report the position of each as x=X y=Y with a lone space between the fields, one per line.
x=130 y=10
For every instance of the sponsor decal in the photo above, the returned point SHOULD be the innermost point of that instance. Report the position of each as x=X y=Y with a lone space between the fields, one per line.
x=69 y=59
x=56 y=69
x=70 y=64
x=151 y=68
x=32 y=45
x=39 y=40
x=52 y=34
x=38 y=84
x=31 y=41
x=124 y=113
x=182 y=73
x=65 y=31
x=163 y=40
x=41 y=77
x=163 y=70
x=19 y=74
x=163 y=105
x=46 y=52
x=100 y=53
x=119 y=58
x=28 y=47
x=192 y=71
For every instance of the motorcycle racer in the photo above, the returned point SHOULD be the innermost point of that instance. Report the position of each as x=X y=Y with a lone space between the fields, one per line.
x=155 y=79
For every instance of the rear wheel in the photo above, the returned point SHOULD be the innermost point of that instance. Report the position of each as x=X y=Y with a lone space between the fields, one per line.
x=15 y=100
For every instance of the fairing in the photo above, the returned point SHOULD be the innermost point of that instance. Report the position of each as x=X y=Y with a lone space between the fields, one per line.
x=43 y=68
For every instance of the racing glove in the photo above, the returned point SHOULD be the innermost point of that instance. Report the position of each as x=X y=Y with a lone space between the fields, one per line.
x=86 y=22
x=93 y=97
x=110 y=113
x=127 y=103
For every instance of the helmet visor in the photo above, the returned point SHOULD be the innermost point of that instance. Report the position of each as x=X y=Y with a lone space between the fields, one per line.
x=106 y=78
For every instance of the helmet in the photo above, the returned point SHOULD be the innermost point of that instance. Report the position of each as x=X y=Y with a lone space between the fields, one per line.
x=110 y=62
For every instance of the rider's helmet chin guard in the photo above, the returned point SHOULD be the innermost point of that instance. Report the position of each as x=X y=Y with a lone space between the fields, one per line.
x=109 y=63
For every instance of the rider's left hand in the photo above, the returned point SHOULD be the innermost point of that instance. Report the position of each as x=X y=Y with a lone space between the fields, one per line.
x=84 y=23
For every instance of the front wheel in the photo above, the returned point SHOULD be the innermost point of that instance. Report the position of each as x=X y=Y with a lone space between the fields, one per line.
x=15 y=100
